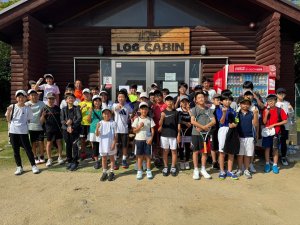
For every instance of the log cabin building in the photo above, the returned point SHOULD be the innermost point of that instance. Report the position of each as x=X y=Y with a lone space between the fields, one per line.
x=113 y=43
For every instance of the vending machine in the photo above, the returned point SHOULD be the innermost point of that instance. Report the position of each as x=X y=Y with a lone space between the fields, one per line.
x=233 y=76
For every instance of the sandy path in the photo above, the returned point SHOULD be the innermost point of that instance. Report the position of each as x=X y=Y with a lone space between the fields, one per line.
x=79 y=198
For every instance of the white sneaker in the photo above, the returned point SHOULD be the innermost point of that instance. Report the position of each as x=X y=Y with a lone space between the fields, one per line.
x=139 y=175
x=149 y=174
x=252 y=169
x=36 y=160
x=19 y=170
x=196 y=175
x=187 y=165
x=35 y=170
x=42 y=160
x=239 y=173
x=60 y=160
x=182 y=165
x=49 y=162
x=205 y=174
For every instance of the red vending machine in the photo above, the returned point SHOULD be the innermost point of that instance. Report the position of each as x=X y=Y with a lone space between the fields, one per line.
x=233 y=76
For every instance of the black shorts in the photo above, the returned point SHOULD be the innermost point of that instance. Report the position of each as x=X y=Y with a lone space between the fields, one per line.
x=142 y=148
x=123 y=140
x=36 y=135
x=197 y=143
x=53 y=136
x=85 y=130
x=215 y=141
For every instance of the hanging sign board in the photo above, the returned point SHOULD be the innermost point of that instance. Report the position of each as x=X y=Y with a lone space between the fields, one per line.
x=174 y=41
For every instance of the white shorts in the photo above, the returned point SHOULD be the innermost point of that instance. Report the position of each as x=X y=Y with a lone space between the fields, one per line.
x=108 y=153
x=168 y=143
x=247 y=146
x=93 y=137
x=222 y=137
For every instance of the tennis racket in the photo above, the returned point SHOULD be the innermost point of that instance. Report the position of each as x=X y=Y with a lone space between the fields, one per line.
x=205 y=119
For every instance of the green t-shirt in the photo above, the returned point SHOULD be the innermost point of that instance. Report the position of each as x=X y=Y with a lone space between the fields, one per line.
x=96 y=118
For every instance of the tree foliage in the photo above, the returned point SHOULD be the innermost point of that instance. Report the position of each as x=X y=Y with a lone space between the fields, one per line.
x=297 y=61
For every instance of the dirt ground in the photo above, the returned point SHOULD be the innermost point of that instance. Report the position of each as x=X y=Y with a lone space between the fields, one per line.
x=58 y=197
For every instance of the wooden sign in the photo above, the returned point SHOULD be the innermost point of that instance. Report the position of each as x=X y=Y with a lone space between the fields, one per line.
x=150 y=41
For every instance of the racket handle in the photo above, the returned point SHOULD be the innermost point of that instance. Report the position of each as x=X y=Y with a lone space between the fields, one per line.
x=204 y=147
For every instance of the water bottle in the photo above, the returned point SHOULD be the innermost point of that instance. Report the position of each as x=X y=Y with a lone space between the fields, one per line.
x=291 y=115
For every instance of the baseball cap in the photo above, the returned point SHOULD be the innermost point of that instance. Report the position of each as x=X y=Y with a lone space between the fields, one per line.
x=184 y=97
x=103 y=92
x=197 y=87
x=169 y=97
x=86 y=90
x=96 y=97
x=139 y=90
x=216 y=96
x=48 y=75
x=20 y=92
x=106 y=108
x=31 y=82
x=280 y=90
x=151 y=92
x=31 y=91
x=144 y=95
x=154 y=85
x=50 y=95
x=143 y=104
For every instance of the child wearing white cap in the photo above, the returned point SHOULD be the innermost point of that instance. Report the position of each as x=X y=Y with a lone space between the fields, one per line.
x=48 y=87
x=18 y=115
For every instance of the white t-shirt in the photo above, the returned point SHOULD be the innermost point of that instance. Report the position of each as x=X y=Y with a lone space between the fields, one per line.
x=145 y=132
x=122 y=117
x=107 y=131
x=20 y=120
x=211 y=93
x=36 y=108
x=63 y=103
x=49 y=88
x=285 y=106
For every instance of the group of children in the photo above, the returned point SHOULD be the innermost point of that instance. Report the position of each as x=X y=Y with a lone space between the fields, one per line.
x=203 y=123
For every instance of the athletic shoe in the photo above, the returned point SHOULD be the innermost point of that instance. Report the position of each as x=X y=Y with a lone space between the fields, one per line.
x=97 y=165
x=284 y=161
x=68 y=166
x=35 y=170
x=124 y=164
x=187 y=165
x=232 y=175
x=42 y=159
x=173 y=171
x=49 y=162
x=252 y=168
x=267 y=168
x=131 y=156
x=19 y=170
x=215 y=166
x=222 y=175
x=165 y=172
x=116 y=166
x=196 y=175
x=149 y=174
x=103 y=177
x=74 y=167
x=247 y=174
x=111 y=176
x=205 y=174
x=144 y=165
x=182 y=165
x=60 y=161
x=275 y=169
x=139 y=175
x=36 y=160
x=239 y=173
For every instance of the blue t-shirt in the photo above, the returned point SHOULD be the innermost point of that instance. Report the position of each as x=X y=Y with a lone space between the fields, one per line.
x=230 y=116
x=245 y=126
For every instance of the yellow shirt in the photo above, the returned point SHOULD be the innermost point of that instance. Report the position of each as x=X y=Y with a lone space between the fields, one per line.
x=85 y=107
x=133 y=98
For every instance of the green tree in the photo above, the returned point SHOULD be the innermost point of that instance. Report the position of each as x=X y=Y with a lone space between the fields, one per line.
x=297 y=62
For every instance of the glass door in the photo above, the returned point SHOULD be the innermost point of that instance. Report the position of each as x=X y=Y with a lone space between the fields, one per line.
x=169 y=74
